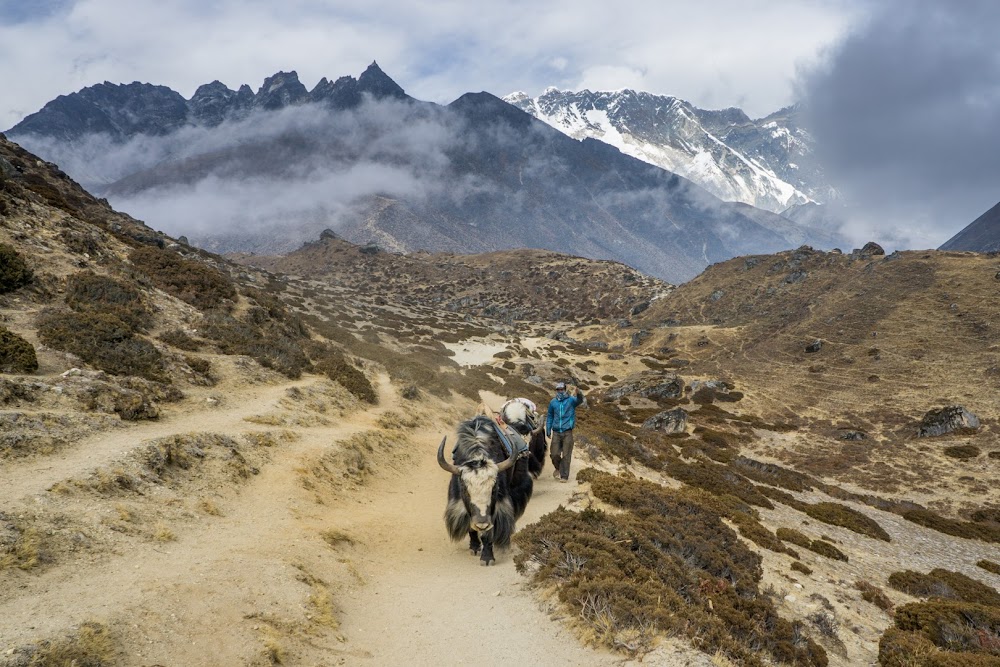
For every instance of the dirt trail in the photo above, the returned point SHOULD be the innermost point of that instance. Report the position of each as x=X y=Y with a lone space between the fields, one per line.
x=427 y=601
x=249 y=585
x=23 y=478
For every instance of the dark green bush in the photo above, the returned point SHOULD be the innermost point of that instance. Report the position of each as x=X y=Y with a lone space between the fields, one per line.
x=969 y=529
x=336 y=367
x=666 y=565
x=954 y=626
x=14 y=271
x=88 y=292
x=193 y=282
x=962 y=452
x=944 y=584
x=177 y=338
x=800 y=567
x=828 y=550
x=989 y=566
x=103 y=341
x=793 y=536
x=845 y=517
x=874 y=594
x=16 y=354
x=267 y=341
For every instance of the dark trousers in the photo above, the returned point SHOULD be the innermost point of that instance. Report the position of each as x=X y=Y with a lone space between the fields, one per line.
x=561 y=451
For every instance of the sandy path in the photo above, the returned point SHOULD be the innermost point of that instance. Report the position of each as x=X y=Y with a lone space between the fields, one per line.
x=34 y=476
x=427 y=601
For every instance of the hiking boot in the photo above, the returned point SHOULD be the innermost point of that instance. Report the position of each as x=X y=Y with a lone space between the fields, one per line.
x=555 y=473
x=564 y=479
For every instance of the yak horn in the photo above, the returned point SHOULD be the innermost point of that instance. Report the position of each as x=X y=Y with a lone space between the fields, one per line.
x=509 y=463
x=448 y=467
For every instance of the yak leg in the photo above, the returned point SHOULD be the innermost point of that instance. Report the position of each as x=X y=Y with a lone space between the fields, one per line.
x=486 y=558
x=474 y=544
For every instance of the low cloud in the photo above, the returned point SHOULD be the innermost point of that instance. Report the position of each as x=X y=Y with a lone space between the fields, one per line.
x=906 y=114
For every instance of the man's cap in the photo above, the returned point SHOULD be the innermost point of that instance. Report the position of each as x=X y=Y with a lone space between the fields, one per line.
x=560 y=385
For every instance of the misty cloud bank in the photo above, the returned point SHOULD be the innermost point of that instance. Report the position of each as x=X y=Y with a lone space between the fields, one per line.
x=906 y=114
x=277 y=177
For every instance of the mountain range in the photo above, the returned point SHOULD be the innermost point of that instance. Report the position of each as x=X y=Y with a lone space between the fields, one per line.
x=264 y=172
x=767 y=162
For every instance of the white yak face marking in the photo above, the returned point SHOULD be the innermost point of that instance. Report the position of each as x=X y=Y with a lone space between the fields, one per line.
x=478 y=483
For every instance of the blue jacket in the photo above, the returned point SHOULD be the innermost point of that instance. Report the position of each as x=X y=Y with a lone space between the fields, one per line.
x=562 y=413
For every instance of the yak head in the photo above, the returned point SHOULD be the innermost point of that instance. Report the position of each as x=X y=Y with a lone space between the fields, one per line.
x=477 y=479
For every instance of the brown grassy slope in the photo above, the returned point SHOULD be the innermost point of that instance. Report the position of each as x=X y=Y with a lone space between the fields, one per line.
x=512 y=285
x=900 y=335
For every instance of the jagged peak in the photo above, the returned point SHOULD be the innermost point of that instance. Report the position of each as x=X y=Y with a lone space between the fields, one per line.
x=379 y=84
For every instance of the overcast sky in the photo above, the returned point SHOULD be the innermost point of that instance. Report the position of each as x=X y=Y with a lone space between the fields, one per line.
x=715 y=53
x=904 y=95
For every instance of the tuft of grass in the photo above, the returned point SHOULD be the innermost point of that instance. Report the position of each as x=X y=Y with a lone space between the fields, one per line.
x=25 y=552
x=801 y=567
x=335 y=537
x=208 y=506
x=162 y=533
x=90 y=645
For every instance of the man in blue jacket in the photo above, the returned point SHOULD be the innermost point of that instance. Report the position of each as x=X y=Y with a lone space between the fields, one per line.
x=559 y=427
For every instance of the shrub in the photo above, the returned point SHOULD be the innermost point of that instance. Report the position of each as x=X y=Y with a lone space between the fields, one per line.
x=14 y=271
x=665 y=565
x=336 y=367
x=845 y=517
x=800 y=567
x=769 y=473
x=718 y=480
x=968 y=529
x=962 y=452
x=944 y=584
x=182 y=341
x=272 y=344
x=874 y=594
x=103 y=341
x=989 y=566
x=794 y=536
x=955 y=626
x=16 y=354
x=192 y=282
x=88 y=292
x=828 y=550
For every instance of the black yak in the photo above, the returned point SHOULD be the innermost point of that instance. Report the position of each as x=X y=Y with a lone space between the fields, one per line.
x=489 y=488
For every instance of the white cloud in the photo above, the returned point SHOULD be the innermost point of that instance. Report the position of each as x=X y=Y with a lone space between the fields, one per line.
x=714 y=54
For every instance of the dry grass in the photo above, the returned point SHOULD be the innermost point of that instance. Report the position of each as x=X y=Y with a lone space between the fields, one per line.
x=875 y=595
x=90 y=645
x=163 y=533
x=26 y=551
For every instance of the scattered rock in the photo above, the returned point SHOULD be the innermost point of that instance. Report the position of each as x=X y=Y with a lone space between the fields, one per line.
x=639 y=336
x=947 y=420
x=670 y=421
x=717 y=294
x=814 y=346
x=853 y=435
x=639 y=307
x=872 y=248
x=796 y=277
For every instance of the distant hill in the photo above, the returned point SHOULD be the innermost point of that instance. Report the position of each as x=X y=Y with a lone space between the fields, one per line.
x=981 y=235
x=264 y=172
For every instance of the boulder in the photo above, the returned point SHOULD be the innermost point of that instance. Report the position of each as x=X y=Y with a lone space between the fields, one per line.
x=814 y=346
x=947 y=420
x=669 y=421
x=651 y=385
x=853 y=435
x=872 y=248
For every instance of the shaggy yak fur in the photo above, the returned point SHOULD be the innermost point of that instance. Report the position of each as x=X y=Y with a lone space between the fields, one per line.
x=515 y=414
x=488 y=490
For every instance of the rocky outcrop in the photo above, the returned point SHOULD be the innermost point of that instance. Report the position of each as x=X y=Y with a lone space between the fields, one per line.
x=654 y=386
x=947 y=420
x=669 y=421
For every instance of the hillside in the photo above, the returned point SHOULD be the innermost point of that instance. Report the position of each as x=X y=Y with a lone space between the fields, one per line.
x=205 y=462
